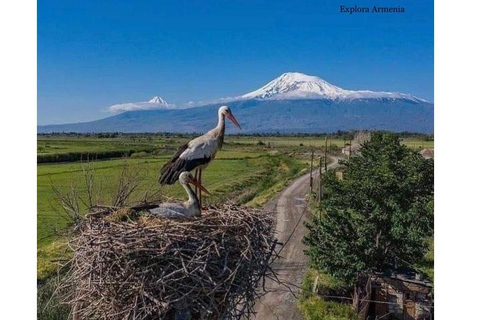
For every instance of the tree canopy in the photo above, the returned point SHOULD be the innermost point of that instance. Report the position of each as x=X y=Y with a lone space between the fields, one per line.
x=378 y=216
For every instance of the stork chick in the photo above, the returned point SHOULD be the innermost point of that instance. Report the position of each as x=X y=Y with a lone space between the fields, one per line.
x=190 y=208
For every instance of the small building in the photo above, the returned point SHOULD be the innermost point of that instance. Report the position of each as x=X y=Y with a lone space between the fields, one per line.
x=401 y=294
x=350 y=150
x=427 y=153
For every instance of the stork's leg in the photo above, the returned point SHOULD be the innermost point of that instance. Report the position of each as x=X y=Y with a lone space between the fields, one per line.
x=196 y=178
x=200 y=190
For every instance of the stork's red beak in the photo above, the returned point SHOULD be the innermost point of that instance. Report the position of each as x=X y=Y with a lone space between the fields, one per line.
x=196 y=183
x=235 y=122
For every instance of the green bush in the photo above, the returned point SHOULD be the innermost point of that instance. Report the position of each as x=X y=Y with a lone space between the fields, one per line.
x=315 y=308
x=139 y=154
x=260 y=143
x=88 y=156
x=326 y=284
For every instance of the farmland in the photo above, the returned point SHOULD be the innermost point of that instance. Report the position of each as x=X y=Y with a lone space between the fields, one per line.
x=240 y=174
x=318 y=142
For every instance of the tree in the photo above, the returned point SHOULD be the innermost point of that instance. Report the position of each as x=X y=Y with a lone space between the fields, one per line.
x=378 y=216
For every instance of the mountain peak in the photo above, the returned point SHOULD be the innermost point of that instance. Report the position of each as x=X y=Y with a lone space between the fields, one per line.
x=297 y=85
x=156 y=103
x=299 y=77
x=158 y=100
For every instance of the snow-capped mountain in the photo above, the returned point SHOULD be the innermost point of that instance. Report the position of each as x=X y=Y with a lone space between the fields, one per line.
x=156 y=103
x=296 y=85
x=292 y=103
x=159 y=101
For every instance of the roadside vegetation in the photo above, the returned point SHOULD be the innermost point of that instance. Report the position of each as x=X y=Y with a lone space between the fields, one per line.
x=315 y=286
x=378 y=217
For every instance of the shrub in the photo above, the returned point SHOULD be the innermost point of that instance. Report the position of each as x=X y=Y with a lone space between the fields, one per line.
x=312 y=305
x=315 y=308
x=139 y=154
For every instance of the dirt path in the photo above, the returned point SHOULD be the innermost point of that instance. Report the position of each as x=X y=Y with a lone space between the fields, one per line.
x=291 y=212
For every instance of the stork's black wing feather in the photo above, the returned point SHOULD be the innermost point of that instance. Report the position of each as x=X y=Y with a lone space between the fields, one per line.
x=168 y=168
x=173 y=168
x=175 y=157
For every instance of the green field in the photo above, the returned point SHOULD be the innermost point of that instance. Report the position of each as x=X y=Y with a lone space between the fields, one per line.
x=58 y=144
x=249 y=170
x=240 y=174
x=55 y=144
x=240 y=166
x=318 y=142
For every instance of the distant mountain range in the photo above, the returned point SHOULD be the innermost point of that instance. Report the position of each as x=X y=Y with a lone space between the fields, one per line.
x=291 y=103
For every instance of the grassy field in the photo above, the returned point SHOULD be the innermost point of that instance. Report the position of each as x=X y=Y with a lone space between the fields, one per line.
x=47 y=144
x=240 y=174
x=318 y=142
x=239 y=166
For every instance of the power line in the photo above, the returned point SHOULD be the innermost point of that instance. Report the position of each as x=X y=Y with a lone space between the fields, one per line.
x=365 y=300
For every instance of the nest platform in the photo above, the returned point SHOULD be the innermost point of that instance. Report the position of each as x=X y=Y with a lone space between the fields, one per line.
x=131 y=265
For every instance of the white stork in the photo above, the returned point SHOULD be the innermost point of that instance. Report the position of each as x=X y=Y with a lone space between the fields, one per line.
x=190 y=208
x=197 y=153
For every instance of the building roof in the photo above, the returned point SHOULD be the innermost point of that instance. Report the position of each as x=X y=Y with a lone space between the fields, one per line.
x=354 y=148
x=427 y=153
x=406 y=275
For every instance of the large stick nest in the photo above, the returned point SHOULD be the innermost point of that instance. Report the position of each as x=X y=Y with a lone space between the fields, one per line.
x=209 y=267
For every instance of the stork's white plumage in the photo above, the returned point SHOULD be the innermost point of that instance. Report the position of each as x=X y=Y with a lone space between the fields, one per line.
x=199 y=152
x=187 y=209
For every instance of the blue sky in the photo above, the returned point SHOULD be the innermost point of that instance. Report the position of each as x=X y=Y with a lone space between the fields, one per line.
x=93 y=54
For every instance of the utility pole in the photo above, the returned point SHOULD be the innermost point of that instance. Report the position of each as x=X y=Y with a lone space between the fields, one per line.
x=350 y=149
x=319 y=194
x=326 y=141
x=311 y=173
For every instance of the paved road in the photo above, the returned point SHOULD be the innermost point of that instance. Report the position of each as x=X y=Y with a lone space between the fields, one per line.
x=291 y=211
